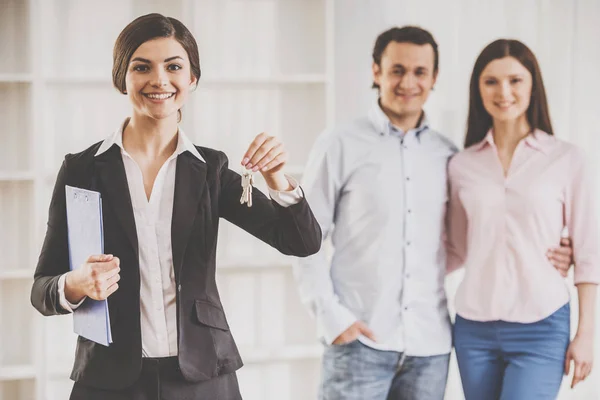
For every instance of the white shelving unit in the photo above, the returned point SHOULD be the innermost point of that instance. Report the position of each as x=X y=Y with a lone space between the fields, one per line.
x=266 y=66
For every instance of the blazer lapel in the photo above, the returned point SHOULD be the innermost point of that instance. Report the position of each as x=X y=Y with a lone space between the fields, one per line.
x=190 y=181
x=114 y=181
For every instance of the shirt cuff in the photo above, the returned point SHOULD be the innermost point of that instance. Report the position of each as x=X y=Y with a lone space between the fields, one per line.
x=334 y=321
x=70 y=307
x=586 y=272
x=287 y=198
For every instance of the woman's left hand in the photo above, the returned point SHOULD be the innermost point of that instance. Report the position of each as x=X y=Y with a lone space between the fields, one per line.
x=580 y=351
x=267 y=155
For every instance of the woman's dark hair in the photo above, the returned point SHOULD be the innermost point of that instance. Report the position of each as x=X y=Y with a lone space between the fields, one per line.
x=406 y=34
x=143 y=29
x=479 y=121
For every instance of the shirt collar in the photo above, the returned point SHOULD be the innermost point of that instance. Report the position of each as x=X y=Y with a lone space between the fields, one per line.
x=183 y=142
x=538 y=140
x=487 y=140
x=385 y=127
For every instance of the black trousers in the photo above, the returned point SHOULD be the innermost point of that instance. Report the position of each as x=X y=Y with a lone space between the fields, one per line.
x=161 y=379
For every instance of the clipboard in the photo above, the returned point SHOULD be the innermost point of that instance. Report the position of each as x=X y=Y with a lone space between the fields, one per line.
x=91 y=319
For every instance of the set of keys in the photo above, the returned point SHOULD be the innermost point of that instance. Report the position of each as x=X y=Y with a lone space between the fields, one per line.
x=247 y=182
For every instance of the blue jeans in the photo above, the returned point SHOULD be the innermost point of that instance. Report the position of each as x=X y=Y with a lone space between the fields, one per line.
x=512 y=361
x=357 y=372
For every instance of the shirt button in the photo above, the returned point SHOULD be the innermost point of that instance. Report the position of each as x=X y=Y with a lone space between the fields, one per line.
x=407 y=276
x=405 y=308
x=408 y=178
x=409 y=210
x=408 y=243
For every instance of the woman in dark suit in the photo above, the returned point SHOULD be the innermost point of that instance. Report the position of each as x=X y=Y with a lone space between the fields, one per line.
x=162 y=200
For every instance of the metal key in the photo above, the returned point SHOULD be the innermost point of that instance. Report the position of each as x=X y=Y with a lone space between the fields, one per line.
x=247 y=182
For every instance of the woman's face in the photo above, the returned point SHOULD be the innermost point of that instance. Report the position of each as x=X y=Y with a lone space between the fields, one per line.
x=505 y=87
x=159 y=78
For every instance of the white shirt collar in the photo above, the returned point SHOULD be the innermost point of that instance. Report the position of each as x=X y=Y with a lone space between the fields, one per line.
x=183 y=142
x=384 y=125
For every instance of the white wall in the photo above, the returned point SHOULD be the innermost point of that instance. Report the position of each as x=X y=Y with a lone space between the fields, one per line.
x=563 y=34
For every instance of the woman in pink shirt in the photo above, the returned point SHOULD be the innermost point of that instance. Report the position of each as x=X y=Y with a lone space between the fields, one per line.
x=512 y=191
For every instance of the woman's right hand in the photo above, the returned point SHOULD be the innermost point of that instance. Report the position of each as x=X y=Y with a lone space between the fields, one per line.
x=96 y=279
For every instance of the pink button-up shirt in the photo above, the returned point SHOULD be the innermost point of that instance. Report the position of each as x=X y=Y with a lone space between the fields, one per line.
x=500 y=227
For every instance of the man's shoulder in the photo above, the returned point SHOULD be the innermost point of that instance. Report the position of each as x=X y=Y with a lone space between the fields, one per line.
x=356 y=129
x=440 y=140
x=345 y=142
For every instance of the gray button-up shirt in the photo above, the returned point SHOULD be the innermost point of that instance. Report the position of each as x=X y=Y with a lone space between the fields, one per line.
x=380 y=195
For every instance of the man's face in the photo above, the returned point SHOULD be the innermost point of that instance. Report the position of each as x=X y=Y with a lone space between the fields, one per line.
x=405 y=78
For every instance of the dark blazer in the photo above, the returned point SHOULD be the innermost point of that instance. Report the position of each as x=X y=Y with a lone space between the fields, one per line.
x=204 y=192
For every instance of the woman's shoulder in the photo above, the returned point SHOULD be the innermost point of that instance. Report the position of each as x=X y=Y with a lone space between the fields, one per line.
x=212 y=156
x=84 y=156
x=558 y=147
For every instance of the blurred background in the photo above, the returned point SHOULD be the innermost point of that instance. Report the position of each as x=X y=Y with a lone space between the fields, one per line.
x=288 y=67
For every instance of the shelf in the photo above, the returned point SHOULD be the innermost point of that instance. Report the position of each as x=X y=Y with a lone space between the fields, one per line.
x=70 y=125
x=16 y=176
x=79 y=80
x=279 y=37
x=275 y=80
x=15 y=135
x=236 y=267
x=18 y=329
x=15 y=34
x=16 y=78
x=17 y=372
x=78 y=35
x=58 y=97
x=249 y=356
x=16 y=204
x=277 y=354
x=20 y=389
x=296 y=171
x=224 y=80
x=60 y=372
x=16 y=274
x=295 y=114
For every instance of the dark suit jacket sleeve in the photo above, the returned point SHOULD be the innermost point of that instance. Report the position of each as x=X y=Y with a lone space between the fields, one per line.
x=292 y=230
x=54 y=257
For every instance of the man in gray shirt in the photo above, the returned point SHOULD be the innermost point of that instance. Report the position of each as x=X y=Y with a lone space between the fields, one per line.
x=378 y=188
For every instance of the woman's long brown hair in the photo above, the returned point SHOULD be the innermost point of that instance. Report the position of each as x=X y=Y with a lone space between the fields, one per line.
x=479 y=121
